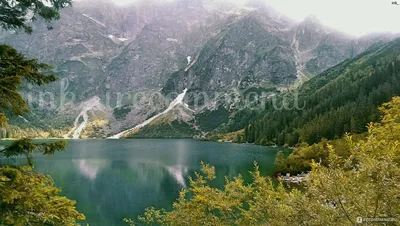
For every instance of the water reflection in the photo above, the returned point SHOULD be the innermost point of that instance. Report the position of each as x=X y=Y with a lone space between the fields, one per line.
x=179 y=173
x=90 y=168
x=111 y=180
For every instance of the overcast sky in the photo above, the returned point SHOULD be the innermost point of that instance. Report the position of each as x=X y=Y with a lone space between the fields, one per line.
x=355 y=17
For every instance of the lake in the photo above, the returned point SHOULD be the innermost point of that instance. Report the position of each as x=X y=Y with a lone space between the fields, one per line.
x=116 y=179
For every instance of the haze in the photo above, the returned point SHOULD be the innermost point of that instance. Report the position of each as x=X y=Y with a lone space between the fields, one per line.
x=355 y=17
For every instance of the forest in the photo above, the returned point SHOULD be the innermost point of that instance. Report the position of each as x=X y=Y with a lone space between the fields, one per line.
x=344 y=125
x=358 y=177
x=341 y=100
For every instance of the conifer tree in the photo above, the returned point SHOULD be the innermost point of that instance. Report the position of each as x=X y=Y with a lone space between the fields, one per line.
x=364 y=183
x=15 y=68
x=27 y=197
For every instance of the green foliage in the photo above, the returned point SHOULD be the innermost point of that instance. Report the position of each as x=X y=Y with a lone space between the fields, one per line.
x=30 y=198
x=303 y=155
x=235 y=137
x=15 y=14
x=342 y=99
x=14 y=67
x=3 y=120
x=120 y=113
x=174 y=129
x=363 y=183
x=29 y=131
x=26 y=147
x=280 y=165
x=210 y=120
x=27 y=197
x=300 y=160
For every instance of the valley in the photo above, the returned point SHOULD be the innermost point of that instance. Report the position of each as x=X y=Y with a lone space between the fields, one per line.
x=199 y=112
x=115 y=54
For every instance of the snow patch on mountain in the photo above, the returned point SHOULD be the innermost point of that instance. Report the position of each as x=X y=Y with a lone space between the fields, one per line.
x=172 y=40
x=94 y=20
x=92 y=104
x=178 y=101
x=300 y=65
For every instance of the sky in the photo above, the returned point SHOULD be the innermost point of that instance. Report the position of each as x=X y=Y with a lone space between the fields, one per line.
x=355 y=17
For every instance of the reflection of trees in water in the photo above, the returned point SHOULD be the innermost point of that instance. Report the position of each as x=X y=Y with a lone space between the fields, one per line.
x=121 y=193
x=109 y=190
x=110 y=186
x=119 y=164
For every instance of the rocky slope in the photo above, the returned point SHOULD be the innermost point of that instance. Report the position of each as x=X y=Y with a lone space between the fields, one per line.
x=132 y=58
x=342 y=99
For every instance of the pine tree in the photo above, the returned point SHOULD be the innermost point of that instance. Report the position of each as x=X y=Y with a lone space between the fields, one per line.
x=27 y=197
x=339 y=100
x=14 y=67
x=15 y=14
x=364 y=183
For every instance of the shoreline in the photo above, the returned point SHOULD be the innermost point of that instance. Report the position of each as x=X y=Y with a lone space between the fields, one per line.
x=154 y=138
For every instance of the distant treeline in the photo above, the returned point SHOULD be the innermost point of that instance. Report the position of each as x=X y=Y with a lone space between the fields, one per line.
x=342 y=99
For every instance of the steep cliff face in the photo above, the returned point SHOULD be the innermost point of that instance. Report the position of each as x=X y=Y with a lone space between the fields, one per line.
x=319 y=48
x=246 y=49
x=161 y=48
x=261 y=48
x=78 y=47
x=153 y=48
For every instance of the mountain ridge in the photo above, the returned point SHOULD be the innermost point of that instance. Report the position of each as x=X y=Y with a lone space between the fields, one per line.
x=116 y=54
x=341 y=99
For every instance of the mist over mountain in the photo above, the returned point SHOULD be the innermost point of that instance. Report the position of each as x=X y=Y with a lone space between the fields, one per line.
x=105 y=54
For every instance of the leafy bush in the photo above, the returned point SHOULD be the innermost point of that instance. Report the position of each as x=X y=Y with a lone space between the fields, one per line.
x=363 y=183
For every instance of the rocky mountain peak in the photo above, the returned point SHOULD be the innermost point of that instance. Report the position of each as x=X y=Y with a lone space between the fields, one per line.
x=202 y=45
x=310 y=32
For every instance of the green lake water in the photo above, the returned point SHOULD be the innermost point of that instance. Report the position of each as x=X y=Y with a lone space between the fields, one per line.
x=116 y=179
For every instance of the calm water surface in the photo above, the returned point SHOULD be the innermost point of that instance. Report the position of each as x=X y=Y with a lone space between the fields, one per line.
x=114 y=179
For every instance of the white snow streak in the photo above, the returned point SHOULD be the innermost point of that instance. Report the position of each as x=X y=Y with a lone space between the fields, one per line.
x=94 y=20
x=172 y=40
x=299 y=65
x=178 y=100
x=82 y=126
x=192 y=63
x=89 y=105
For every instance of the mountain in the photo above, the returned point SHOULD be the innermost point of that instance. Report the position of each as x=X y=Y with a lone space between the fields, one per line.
x=128 y=63
x=342 y=99
x=161 y=48
x=246 y=48
x=176 y=123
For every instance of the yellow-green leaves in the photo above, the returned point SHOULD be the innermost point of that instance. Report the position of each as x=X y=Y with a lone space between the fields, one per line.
x=3 y=120
x=27 y=197
x=361 y=181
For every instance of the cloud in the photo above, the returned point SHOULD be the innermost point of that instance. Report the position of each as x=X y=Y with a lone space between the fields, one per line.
x=355 y=17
